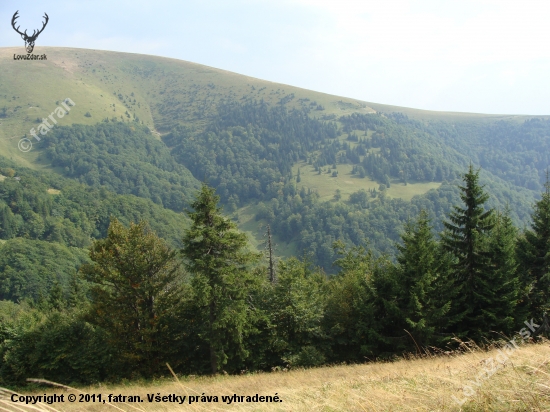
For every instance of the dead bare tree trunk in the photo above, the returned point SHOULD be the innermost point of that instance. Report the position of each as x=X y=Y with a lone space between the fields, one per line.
x=272 y=277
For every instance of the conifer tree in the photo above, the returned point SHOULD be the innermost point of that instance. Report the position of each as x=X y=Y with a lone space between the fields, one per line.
x=297 y=310
x=422 y=275
x=466 y=238
x=77 y=292
x=56 y=299
x=135 y=293
x=534 y=256
x=361 y=308
x=502 y=279
x=216 y=255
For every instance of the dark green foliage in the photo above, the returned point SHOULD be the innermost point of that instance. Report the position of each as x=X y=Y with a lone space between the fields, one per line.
x=407 y=150
x=425 y=287
x=534 y=256
x=315 y=225
x=350 y=322
x=247 y=152
x=123 y=159
x=76 y=214
x=517 y=152
x=54 y=345
x=486 y=299
x=29 y=269
x=503 y=278
x=227 y=316
x=466 y=232
x=135 y=290
x=218 y=260
x=249 y=149
x=296 y=309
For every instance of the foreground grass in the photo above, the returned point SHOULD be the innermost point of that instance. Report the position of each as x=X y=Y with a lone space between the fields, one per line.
x=521 y=383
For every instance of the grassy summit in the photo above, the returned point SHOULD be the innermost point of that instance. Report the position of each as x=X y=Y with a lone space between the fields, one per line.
x=160 y=91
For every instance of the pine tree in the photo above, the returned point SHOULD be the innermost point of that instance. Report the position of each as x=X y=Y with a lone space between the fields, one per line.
x=56 y=298
x=361 y=309
x=77 y=293
x=217 y=257
x=534 y=256
x=466 y=238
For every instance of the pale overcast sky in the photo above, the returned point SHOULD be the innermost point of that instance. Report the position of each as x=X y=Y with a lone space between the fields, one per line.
x=489 y=56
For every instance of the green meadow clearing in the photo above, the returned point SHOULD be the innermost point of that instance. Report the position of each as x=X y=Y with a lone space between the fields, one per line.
x=326 y=185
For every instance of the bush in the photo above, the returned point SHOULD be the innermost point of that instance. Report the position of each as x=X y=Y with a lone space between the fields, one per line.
x=308 y=356
x=61 y=348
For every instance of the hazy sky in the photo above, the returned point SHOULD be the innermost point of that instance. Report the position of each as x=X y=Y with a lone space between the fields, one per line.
x=490 y=56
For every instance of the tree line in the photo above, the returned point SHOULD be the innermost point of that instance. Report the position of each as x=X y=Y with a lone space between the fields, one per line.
x=214 y=305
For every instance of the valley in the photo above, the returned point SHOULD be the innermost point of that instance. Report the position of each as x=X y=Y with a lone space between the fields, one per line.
x=135 y=234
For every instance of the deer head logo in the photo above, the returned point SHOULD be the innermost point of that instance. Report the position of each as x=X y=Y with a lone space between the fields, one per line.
x=29 y=40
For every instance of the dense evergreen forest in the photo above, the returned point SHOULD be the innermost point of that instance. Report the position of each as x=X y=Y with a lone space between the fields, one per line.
x=213 y=305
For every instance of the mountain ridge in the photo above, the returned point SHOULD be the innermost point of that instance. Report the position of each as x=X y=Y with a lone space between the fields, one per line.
x=252 y=138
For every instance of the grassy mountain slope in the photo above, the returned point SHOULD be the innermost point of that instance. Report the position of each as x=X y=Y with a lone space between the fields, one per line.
x=277 y=154
x=105 y=84
x=166 y=92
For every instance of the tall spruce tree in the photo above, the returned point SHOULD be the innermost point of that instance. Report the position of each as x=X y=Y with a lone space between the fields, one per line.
x=534 y=257
x=422 y=275
x=466 y=237
x=216 y=255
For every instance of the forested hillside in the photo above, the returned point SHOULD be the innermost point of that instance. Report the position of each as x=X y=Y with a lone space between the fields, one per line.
x=247 y=152
x=355 y=197
x=123 y=159
x=214 y=305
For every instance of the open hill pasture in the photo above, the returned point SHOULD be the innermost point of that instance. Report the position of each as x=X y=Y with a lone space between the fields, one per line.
x=475 y=381
x=159 y=91
x=326 y=184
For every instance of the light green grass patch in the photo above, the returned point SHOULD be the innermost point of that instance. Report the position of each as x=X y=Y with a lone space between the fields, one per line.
x=247 y=223
x=399 y=190
x=256 y=232
x=326 y=185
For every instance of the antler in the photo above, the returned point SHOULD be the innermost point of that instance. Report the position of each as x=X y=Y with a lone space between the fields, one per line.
x=43 y=25
x=34 y=33
x=13 y=21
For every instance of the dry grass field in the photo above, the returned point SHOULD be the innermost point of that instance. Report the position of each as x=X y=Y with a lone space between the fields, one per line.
x=481 y=379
